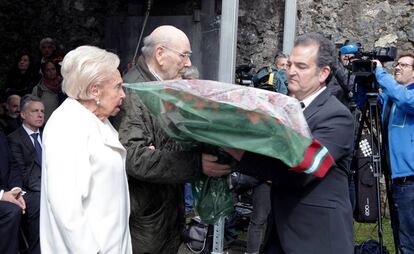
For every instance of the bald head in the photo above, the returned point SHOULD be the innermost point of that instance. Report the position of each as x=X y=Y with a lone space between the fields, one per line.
x=166 y=51
x=162 y=35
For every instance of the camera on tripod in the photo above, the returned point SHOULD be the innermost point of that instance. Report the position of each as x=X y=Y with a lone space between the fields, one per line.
x=362 y=65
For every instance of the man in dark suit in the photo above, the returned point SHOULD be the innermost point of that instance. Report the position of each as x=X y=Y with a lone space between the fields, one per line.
x=310 y=214
x=11 y=202
x=25 y=146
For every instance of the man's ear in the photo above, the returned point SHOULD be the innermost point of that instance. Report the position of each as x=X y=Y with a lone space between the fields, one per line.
x=324 y=74
x=159 y=55
x=23 y=115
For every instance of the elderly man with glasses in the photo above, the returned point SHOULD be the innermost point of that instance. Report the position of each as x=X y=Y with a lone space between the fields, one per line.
x=397 y=99
x=158 y=167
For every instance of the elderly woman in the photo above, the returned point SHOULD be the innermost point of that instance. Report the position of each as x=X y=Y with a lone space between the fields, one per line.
x=84 y=195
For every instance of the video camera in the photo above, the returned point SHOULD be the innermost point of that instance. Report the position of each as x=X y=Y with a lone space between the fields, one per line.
x=362 y=65
x=244 y=74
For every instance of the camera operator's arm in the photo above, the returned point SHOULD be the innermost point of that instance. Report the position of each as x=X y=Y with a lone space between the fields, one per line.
x=399 y=94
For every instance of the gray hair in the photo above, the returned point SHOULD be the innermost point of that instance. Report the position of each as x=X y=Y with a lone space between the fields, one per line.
x=148 y=47
x=327 y=53
x=278 y=56
x=84 y=66
x=47 y=40
x=26 y=99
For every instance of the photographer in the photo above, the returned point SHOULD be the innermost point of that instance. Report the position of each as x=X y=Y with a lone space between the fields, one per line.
x=397 y=98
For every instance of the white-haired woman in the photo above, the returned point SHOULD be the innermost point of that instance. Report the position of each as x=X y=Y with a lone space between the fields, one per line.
x=84 y=195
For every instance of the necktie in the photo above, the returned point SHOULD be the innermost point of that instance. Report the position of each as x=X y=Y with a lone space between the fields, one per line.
x=37 y=146
x=302 y=105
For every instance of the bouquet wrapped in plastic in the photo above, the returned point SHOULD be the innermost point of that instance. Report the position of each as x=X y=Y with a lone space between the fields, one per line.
x=227 y=115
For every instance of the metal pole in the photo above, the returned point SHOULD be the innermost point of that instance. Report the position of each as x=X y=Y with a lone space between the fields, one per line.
x=228 y=40
x=289 y=30
x=227 y=63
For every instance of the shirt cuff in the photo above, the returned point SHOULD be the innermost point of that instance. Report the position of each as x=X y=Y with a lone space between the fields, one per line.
x=1 y=194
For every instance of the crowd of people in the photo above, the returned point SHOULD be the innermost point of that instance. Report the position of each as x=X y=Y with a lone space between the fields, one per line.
x=86 y=168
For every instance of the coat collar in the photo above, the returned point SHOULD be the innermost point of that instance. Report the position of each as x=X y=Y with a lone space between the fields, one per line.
x=315 y=105
x=107 y=132
x=142 y=67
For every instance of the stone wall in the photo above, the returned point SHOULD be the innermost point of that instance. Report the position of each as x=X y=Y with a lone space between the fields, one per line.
x=76 y=22
x=370 y=22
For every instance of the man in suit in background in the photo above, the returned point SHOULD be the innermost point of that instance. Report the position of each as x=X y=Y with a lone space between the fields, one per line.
x=310 y=214
x=11 y=202
x=25 y=145
x=11 y=120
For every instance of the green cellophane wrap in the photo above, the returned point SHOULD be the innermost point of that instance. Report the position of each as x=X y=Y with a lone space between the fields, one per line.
x=212 y=198
x=226 y=115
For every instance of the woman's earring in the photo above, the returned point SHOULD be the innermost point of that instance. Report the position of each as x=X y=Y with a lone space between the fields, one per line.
x=98 y=102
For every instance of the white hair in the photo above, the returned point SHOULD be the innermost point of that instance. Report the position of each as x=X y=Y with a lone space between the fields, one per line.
x=84 y=66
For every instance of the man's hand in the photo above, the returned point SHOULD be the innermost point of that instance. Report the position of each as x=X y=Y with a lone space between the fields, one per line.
x=15 y=196
x=211 y=167
x=235 y=153
x=377 y=63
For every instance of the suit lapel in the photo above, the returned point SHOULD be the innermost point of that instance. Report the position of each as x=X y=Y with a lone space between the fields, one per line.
x=27 y=142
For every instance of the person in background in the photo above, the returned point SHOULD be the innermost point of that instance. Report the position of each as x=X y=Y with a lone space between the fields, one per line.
x=84 y=194
x=49 y=88
x=48 y=52
x=11 y=120
x=281 y=61
x=12 y=204
x=21 y=78
x=26 y=149
x=397 y=103
x=273 y=77
x=157 y=166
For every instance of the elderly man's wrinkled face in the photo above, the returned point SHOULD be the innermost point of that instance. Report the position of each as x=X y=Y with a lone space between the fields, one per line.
x=176 y=59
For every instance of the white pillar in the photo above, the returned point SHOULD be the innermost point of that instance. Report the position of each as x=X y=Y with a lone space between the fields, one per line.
x=228 y=40
x=289 y=30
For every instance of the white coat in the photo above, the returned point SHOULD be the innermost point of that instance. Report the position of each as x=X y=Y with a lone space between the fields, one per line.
x=84 y=197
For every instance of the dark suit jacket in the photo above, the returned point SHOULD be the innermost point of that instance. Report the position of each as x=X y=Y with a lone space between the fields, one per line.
x=24 y=159
x=309 y=214
x=8 y=178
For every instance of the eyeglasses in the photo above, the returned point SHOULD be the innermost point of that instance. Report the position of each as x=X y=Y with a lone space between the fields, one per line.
x=402 y=65
x=183 y=55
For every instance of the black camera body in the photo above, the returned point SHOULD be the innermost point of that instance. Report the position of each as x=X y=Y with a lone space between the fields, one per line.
x=363 y=66
x=244 y=74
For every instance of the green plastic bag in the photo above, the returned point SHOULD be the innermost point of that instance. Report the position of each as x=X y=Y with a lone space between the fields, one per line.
x=212 y=198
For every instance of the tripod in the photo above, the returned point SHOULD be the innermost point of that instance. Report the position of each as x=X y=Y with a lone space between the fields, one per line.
x=370 y=119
